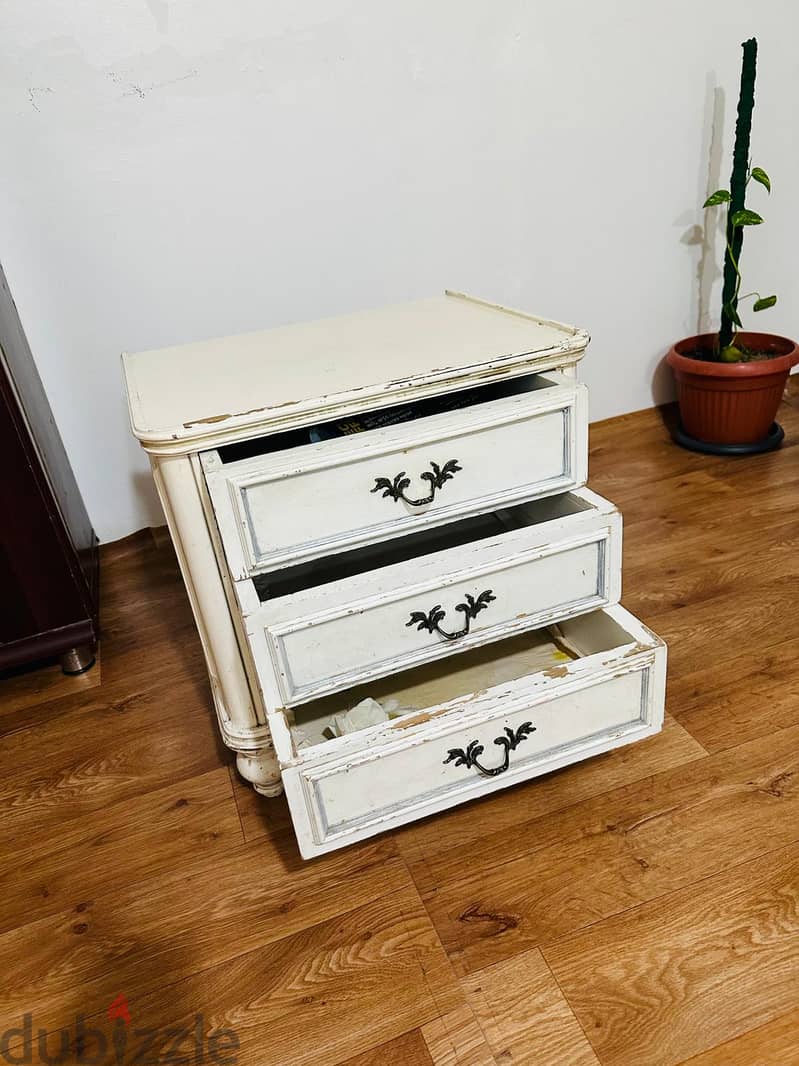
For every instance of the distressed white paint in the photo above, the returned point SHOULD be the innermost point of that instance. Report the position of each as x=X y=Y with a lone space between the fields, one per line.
x=183 y=492
x=556 y=558
x=303 y=502
x=240 y=715
x=388 y=775
x=182 y=169
x=336 y=365
x=349 y=632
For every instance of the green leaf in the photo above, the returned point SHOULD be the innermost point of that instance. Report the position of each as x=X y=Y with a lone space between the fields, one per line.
x=720 y=196
x=732 y=314
x=762 y=304
x=760 y=175
x=746 y=218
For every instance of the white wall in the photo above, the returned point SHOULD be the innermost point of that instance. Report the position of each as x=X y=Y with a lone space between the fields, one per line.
x=178 y=169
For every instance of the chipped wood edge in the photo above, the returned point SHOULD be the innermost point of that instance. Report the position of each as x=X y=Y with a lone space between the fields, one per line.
x=226 y=428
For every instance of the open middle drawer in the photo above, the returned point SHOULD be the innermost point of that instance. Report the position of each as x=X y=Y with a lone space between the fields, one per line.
x=323 y=627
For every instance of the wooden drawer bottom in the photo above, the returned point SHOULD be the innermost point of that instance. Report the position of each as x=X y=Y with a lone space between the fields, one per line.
x=472 y=725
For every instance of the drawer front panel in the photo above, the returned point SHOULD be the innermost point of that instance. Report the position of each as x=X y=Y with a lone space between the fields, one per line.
x=304 y=503
x=330 y=650
x=517 y=739
x=554 y=560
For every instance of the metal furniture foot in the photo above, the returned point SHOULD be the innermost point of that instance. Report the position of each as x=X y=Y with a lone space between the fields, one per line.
x=78 y=660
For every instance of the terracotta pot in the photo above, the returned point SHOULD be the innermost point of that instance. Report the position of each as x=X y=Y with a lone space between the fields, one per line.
x=731 y=403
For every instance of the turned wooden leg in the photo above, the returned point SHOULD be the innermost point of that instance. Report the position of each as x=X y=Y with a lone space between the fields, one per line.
x=261 y=769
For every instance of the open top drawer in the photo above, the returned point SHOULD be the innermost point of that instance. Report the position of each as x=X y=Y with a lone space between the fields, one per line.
x=495 y=445
x=466 y=726
x=324 y=627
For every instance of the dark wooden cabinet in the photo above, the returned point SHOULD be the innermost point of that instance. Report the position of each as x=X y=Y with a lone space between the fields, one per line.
x=48 y=549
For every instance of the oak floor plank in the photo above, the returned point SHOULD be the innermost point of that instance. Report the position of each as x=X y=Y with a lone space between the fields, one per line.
x=260 y=817
x=29 y=688
x=118 y=845
x=200 y=915
x=178 y=661
x=524 y=1015
x=456 y=1039
x=678 y=976
x=615 y=467
x=148 y=639
x=570 y=869
x=689 y=626
x=128 y=567
x=706 y=493
x=726 y=568
x=774 y=1044
x=138 y=571
x=753 y=696
x=321 y=994
x=111 y=750
x=619 y=467
x=406 y=1050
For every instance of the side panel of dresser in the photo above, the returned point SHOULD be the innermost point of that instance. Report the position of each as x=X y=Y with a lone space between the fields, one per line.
x=242 y=723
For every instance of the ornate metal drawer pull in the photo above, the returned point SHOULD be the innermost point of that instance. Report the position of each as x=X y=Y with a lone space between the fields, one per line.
x=474 y=748
x=396 y=488
x=470 y=609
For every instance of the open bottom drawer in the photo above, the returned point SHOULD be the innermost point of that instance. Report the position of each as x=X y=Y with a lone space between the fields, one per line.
x=470 y=725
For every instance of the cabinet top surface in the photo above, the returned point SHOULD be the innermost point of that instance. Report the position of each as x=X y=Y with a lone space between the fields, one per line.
x=196 y=395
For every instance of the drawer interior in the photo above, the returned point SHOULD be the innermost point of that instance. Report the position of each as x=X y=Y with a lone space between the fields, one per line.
x=372 y=557
x=379 y=418
x=411 y=693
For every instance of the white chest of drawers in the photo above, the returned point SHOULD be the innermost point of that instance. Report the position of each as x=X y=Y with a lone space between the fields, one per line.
x=445 y=561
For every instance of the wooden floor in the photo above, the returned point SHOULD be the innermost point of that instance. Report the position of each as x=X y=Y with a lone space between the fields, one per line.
x=640 y=909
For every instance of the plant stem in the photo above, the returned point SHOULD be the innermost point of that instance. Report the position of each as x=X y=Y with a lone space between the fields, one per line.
x=731 y=256
x=740 y=169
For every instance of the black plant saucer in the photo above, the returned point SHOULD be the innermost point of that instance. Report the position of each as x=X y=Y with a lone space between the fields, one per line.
x=772 y=440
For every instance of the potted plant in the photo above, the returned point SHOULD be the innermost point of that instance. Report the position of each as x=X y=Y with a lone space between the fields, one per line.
x=729 y=384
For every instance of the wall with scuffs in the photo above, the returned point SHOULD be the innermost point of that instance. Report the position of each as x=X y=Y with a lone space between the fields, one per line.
x=179 y=169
